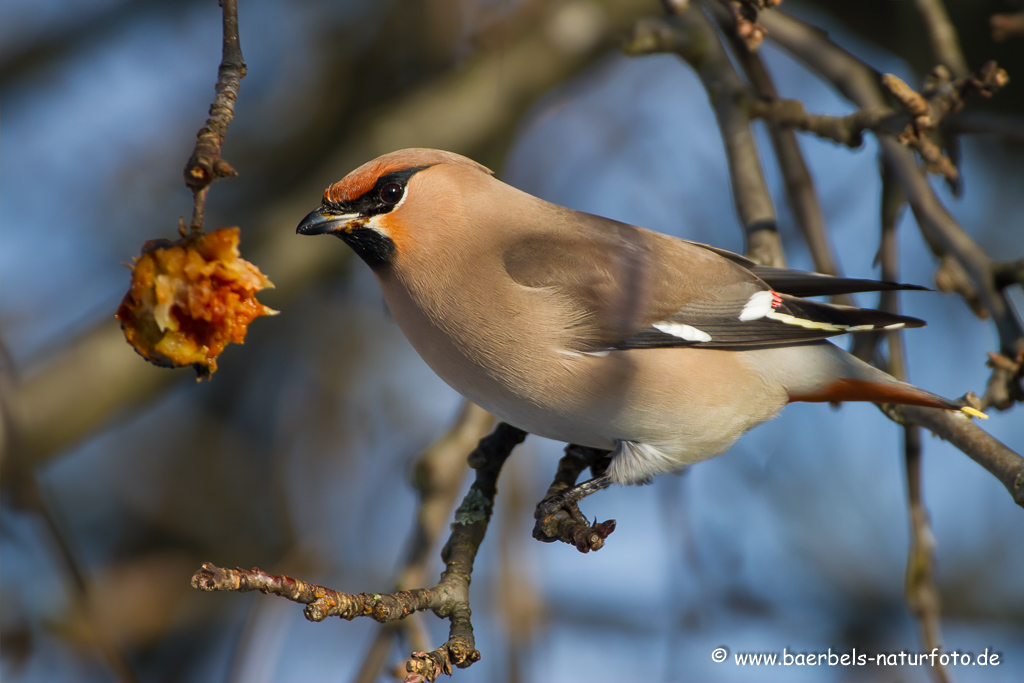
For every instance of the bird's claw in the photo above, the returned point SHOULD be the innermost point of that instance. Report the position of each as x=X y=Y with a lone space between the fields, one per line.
x=559 y=518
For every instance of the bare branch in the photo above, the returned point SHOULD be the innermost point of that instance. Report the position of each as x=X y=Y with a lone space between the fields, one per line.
x=1005 y=126
x=925 y=112
x=800 y=191
x=846 y=130
x=942 y=35
x=1004 y=385
x=921 y=591
x=206 y=165
x=743 y=26
x=436 y=477
x=940 y=97
x=1006 y=26
x=861 y=84
x=691 y=36
x=1010 y=273
x=320 y=602
x=982 y=447
x=449 y=598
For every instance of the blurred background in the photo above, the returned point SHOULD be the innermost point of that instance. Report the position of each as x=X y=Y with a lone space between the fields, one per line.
x=120 y=479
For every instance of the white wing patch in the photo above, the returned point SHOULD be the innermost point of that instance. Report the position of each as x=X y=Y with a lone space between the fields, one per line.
x=758 y=306
x=763 y=304
x=687 y=332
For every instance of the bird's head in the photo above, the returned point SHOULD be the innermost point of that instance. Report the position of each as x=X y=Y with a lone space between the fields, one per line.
x=376 y=207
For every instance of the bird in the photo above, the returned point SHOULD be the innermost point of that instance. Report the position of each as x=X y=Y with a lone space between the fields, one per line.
x=594 y=332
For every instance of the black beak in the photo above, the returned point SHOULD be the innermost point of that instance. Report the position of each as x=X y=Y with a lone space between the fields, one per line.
x=321 y=221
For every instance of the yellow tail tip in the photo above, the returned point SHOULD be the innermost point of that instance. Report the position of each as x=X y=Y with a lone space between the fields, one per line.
x=973 y=412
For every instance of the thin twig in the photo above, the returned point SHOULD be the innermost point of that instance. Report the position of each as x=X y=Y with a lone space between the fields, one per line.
x=743 y=26
x=893 y=206
x=1007 y=26
x=845 y=130
x=1004 y=464
x=860 y=83
x=1004 y=386
x=800 y=190
x=436 y=476
x=1006 y=126
x=521 y=604
x=940 y=226
x=921 y=591
x=449 y=598
x=940 y=96
x=942 y=35
x=691 y=36
x=924 y=113
x=206 y=165
x=1009 y=127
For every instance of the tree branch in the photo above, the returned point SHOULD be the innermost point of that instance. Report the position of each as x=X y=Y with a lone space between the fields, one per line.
x=449 y=598
x=925 y=113
x=436 y=476
x=940 y=96
x=800 y=191
x=982 y=447
x=743 y=26
x=1005 y=126
x=691 y=36
x=1004 y=26
x=920 y=590
x=942 y=35
x=206 y=165
x=860 y=84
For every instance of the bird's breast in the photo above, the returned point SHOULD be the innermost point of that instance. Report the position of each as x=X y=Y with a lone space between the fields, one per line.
x=692 y=402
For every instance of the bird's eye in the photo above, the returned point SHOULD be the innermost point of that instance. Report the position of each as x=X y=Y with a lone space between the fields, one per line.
x=391 y=193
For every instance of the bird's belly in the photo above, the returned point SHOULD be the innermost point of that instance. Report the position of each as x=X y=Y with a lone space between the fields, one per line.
x=681 y=401
x=676 y=400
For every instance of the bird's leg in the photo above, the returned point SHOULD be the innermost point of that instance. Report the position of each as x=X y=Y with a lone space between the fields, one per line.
x=558 y=515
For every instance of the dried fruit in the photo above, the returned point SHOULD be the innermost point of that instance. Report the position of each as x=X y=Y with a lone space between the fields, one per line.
x=191 y=298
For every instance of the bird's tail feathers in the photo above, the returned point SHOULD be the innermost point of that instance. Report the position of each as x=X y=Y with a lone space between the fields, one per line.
x=838 y=376
x=855 y=389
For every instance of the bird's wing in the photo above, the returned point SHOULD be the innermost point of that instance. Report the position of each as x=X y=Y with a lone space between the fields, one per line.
x=623 y=287
x=803 y=283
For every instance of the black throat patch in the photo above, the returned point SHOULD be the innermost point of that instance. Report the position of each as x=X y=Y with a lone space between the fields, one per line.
x=375 y=248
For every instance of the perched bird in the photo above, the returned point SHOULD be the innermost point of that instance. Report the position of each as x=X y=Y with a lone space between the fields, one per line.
x=587 y=330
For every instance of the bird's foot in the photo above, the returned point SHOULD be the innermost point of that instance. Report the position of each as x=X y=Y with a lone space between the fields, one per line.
x=558 y=515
